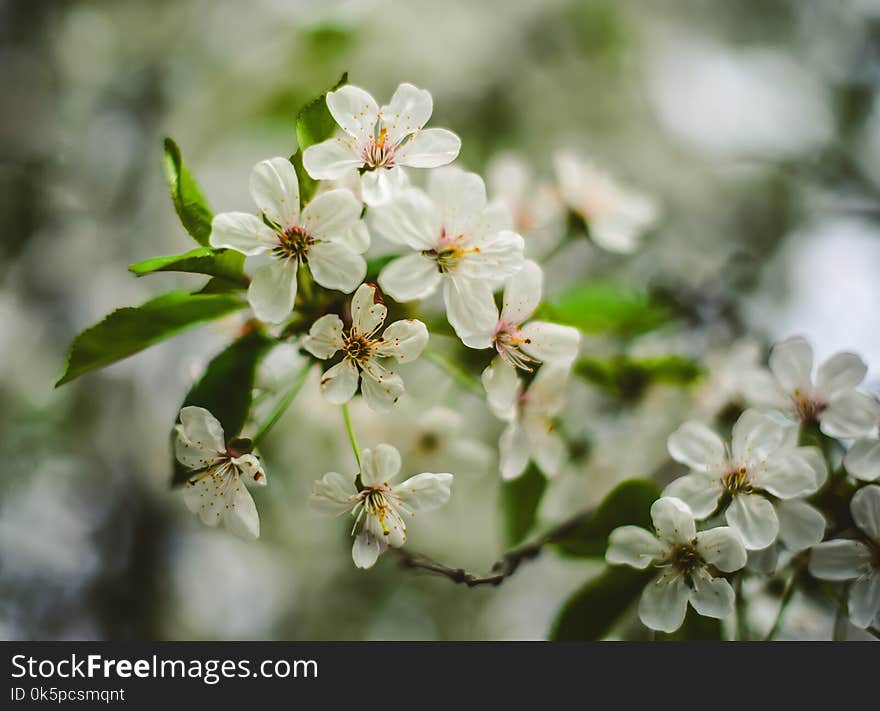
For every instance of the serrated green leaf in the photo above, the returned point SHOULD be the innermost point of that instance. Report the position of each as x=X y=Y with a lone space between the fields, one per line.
x=593 y=611
x=606 y=308
x=129 y=330
x=224 y=263
x=520 y=498
x=190 y=204
x=226 y=388
x=629 y=503
x=314 y=124
x=627 y=378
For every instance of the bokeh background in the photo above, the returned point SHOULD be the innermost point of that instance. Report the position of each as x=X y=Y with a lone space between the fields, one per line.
x=754 y=124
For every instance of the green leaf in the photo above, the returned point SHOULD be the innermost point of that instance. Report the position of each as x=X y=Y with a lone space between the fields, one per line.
x=376 y=264
x=627 y=378
x=190 y=204
x=314 y=124
x=606 y=308
x=629 y=503
x=226 y=388
x=224 y=263
x=129 y=330
x=520 y=498
x=592 y=612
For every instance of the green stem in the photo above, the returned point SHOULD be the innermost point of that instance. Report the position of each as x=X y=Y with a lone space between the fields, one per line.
x=282 y=405
x=466 y=380
x=346 y=415
x=787 y=594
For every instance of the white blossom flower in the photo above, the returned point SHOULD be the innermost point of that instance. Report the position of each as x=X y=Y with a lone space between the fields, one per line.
x=325 y=236
x=846 y=559
x=518 y=345
x=379 y=508
x=377 y=142
x=762 y=459
x=366 y=355
x=529 y=413
x=457 y=241
x=538 y=213
x=616 y=216
x=684 y=555
x=863 y=460
x=831 y=399
x=215 y=488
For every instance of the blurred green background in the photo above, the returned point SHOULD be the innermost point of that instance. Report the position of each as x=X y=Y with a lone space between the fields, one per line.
x=754 y=124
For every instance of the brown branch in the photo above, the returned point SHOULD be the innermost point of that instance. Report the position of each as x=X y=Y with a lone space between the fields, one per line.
x=503 y=568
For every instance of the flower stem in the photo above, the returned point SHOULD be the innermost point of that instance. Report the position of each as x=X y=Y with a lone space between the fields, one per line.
x=282 y=405
x=346 y=415
x=787 y=594
x=466 y=380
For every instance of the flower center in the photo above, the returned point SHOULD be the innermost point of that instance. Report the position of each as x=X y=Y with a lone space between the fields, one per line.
x=736 y=481
x=686 y=558
x=429 y=442
x=508 y=338
x=807 y=407
x=378 y=153
x=376 y=504
x=293 y=243
x=358 y=347
x=448 y=252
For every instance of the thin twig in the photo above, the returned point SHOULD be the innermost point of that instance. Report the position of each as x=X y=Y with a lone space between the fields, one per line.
x=282 y=405
x=346 y=415
x=787 y=593
x=503 y=568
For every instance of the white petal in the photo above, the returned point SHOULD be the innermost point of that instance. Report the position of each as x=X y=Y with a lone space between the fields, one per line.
x=382 y=394
x=755 y=436
x=429 y=148
x=403 y=340
x=325 y=337
x=513 y=452
x=673 y=520
x=470 y=307
x=250 y=470
x=425 y=492
x=411 y=219
x=634 y=546
x=275 y=190
x=698 y=447
x=545 y=445
x=205 y=497
x=754 y=518
x=800 y=525
x=241 y=518
x=865 y=509
x=503 y=387
x=664 y=600
x=723 y=548
x=382 y=185
x=790 y=473
x=354 y=110
x=792 y=362
x=460 y=198
x=333 y=494
x=339 y=383
x=332 y=159
x=335 y=266
x=522 y=293
x=365 y=550
x=699 y=491
x=759 y=387
x=379 y=465
x=712 y=597
x=331 y=215
x=366 y=314
x=495 y=257
x=863 y=460
x=356 y=237
x=202 y=429
x=849 y=414
x=545 y=397
x=839 y=560
x=551 y=342
x=841 y=371
x=272 y=290
x=242 y=232
x=408 y=278
x=409 y=110
x=864 y=600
